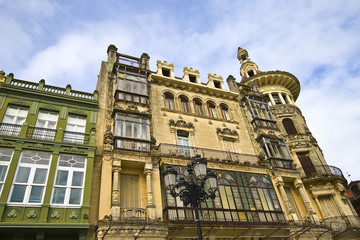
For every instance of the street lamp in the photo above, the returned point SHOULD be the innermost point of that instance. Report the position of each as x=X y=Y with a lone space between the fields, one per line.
x=192 y=192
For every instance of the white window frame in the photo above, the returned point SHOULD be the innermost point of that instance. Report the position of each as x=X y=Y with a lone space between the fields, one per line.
x=6 y=164
x=68 y=187
x=29 y=184
x=41 y=132
x=17 y=118
x=75 y=135
x=184 y=145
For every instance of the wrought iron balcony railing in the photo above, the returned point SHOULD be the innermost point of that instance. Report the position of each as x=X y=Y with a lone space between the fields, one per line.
x=76 y=137
x=7 y=129
x=41 y=133
x=211 y=154
x=322 y=170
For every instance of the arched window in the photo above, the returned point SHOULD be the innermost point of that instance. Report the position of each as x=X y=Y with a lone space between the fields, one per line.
x=212 y=110
x=184 y=104
x=225 y=112
x=169 y=101
x=289 y=126
x=198 y=107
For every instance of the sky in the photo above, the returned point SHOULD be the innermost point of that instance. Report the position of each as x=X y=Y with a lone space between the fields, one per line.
x=317 y=41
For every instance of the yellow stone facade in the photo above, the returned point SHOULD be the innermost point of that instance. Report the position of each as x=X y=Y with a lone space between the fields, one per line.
x=274 y=182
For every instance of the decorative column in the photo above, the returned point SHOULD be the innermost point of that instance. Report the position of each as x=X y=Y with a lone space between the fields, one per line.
x=115 y=193
x=318 y=205
x=271 y=99
x=290 y=212
x=310 y=212
x=150 y=206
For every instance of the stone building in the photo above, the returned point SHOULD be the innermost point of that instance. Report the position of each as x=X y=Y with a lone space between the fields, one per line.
x=47 y=149
x=273 y=181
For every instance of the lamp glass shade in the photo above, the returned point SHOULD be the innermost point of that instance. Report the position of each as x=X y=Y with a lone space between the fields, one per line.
x=170 y=178
x=200 y=168
x=211 y=181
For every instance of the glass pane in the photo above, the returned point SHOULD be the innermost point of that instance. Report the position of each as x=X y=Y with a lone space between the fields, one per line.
x=18 y=193
x=77 y=179
x=61 y=178
x=3 y=170
x=58 y=196
x=22 y=175
x=75 y=196
x=40 y=176
x=36 y=194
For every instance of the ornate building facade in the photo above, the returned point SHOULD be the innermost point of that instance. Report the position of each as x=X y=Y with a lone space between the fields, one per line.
x=273 y=180
x=47 y=150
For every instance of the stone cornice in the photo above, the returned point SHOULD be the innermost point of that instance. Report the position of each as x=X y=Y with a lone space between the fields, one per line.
x=193 y=87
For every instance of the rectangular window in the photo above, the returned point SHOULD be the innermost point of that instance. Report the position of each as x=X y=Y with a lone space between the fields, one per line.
x=45 y=127
x=133 y=130
x=136 y=84
x=75 y=129
x=5 y=158
x=276 y=98
x=184 y=144
x=30 y=178
x=69 y=180
x=13 y=120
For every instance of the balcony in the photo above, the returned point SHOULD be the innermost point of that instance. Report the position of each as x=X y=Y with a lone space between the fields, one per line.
x=282 y=163
x=263 y=123
x=132 y=213
x=7 y=129
x=41 y=133
x=211 y=154
x=322 y=171
x=76 y=137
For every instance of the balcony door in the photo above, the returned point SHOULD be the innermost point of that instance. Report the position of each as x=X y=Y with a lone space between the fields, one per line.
x=184 y=144
x=306 y=164
x=45 y=127
x=75 y=129
x=13 y=120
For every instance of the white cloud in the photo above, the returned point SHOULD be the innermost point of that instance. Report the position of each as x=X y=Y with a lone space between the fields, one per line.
x=302 y=37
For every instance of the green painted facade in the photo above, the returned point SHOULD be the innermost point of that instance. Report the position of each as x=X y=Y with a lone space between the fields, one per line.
x=56 y=203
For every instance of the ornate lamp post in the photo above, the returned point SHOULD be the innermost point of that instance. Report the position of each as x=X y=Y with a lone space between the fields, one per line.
x=192 y=192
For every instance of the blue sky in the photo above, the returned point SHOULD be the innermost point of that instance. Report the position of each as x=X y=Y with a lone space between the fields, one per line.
x=317 y=41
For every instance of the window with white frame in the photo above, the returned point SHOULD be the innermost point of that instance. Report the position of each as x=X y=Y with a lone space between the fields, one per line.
x=132 y=83
x=13 y=120
x=184 y=145
x=75 y=129
x=31 y=177
x=45 y=127
x=5 y=158
x=133 y=132
x=69 y=180
x=275 y=148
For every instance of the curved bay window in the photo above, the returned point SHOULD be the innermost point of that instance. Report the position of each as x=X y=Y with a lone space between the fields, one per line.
x=169 y=101
x=198 y=107
x=242 y=197
x=184 y=104
x=132 y=87
x=132 y=132
x=225 y=112
x=289 y=126
x=212 y=110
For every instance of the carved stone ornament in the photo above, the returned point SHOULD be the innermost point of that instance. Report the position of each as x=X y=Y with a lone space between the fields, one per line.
x=340 y=187
x=20 y=102
x=12 y=214
x=50 y=107
x=180 y=123
x=74 y=150
x=226 y=131
x=262 y=160
x=73 y=215
x=78 y=112
x=31 y=214
x=55 y=215
x=3 y=142
x=132 y=108
x=39 y=146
